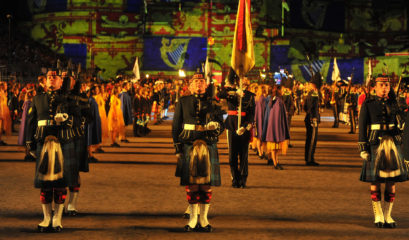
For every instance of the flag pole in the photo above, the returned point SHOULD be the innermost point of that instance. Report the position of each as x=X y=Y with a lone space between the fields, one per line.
x=240 y=103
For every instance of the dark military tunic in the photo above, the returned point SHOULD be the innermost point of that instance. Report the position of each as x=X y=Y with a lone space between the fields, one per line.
x=195 y=111
x=377 y=120
x=43 y=108
x=311 y=107
x=238 y=144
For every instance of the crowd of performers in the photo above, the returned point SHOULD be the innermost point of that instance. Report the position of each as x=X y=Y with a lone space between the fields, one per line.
x=63 y=121
x=60 y=114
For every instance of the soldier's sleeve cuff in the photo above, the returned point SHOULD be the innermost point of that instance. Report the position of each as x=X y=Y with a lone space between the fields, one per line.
x=363 y=146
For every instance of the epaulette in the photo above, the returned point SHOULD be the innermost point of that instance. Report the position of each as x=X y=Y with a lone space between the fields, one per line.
x=314 y=94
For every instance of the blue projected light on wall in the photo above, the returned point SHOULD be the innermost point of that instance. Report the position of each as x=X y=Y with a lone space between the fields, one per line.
x=77 y=53
x=56 y=5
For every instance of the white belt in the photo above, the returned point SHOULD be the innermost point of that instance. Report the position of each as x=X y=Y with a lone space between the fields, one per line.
x=193 y=127
x=382 y=126
x=41 y=123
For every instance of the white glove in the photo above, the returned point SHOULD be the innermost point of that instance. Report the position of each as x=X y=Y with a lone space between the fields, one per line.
x=240 y=131
x=212 y=125
x=61 y=117
x=365 y=155
x=314 y=123
x=239 y=93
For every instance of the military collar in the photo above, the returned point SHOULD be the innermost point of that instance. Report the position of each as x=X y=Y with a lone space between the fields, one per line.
x=381 y=99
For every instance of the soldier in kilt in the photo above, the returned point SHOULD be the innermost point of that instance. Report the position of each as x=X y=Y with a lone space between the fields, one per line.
x=197 y=123
x=380 y=145
x=49 y=134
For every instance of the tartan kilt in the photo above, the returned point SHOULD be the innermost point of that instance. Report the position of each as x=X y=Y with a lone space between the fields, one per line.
x=71 y=165
x=82 y=153
x=370 y=174
x=215 y=179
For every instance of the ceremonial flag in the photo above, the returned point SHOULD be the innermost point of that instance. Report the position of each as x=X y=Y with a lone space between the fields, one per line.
x=135 y=70
x=242 y=59
x=208 y=70
x=336 y=74
x=368 y=77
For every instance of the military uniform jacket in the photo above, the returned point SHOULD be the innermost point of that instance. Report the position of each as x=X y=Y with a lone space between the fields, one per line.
x=248 y=107
x=192 y=112
x=311 y=107
x=43 y=109
x=376 y=119
x=288 y=99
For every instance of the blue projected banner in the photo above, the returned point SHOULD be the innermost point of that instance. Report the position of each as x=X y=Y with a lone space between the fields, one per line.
x=77 y=53
x=56 y=5
x=279 y=58
x=315 y=66
x=134 y=5
x=174 y=53
x=346 y=67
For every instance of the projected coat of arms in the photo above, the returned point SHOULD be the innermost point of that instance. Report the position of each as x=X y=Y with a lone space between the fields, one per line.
x=173 y=53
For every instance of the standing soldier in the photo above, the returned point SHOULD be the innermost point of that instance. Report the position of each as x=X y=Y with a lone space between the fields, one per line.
x=197 y=123
x=238 y=136
x=352 y=100
x=380 y=146
x=312 y=119
x=49 y=133
x=288 y=99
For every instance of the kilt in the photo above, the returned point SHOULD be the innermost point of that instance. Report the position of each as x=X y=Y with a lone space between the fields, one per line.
x=70 y=172
x=214 y=165
x=369 y=172
x=82 y=153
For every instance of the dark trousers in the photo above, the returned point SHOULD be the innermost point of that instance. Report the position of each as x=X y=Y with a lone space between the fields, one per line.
x=310 y=142
x=238 y=148
x=352 y=119
x=335 y=111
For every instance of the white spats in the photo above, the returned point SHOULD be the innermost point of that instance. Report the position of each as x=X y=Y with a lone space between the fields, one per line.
x=58 y=216
x=47 y=215
x=193 y=215
x=72 y=201
x=204 y=209
x=377 y=210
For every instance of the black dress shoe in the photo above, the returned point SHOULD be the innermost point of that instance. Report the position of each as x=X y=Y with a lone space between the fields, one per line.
x=125 y=140
x=92 y=160
x=57 y=229
x=72 y=213
x=187 y=228
x=290 y=145
x=379 y=224
x=42 y=229
x=270 y=162
x=280 y=167
x=312 y=164
x=389 y=225
x=2 y=143
x=235 y=185
x=115 y=144
x=208 y=228
x=29 y=158
x=99 y=150
x=186 y=215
